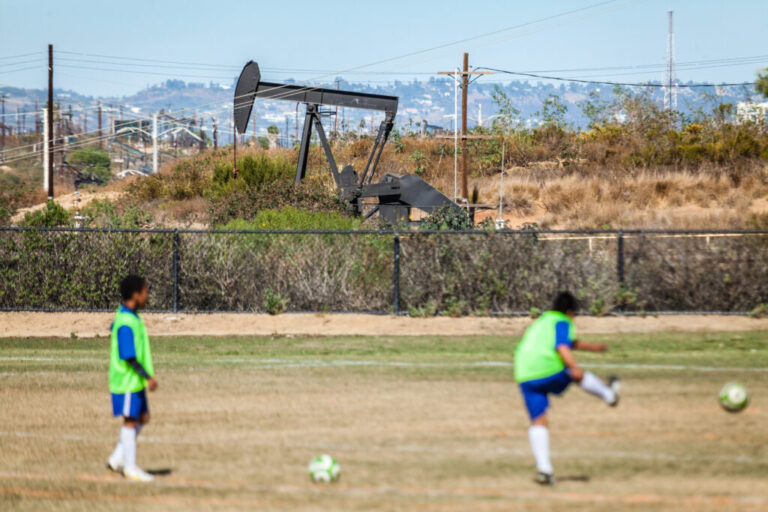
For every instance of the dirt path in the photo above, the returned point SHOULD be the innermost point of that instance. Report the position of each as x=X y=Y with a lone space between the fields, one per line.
x=70 y=201
x=164 y=324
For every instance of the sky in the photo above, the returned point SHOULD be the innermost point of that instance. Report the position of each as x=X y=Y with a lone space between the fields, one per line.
x=108 y=48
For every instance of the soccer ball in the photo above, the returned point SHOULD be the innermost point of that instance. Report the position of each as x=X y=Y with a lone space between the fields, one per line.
x=324 y=469
x=733 y=397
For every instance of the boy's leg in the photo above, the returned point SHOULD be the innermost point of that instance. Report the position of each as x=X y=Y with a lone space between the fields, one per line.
x=593 y=385
x=538 y=436
x=128 y=442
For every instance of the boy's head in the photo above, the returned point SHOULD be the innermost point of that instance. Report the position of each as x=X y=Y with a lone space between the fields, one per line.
x=134 y=291
x=566 y=304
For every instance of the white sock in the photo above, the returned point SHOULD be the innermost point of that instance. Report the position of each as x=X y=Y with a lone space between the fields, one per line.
x=118 y=456
x=538 y=435
x=128 y=441
x=592 y=384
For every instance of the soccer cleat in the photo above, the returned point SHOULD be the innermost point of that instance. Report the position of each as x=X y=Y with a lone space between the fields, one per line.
x=114 y=467
x=544 y=478
x=137 y=474
x=615 y=384
x=115 y=462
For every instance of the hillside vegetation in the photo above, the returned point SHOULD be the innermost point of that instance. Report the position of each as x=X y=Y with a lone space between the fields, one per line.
x=636 y=165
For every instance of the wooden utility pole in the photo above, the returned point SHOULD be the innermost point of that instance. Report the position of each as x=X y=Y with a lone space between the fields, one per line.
x=2 y=126
x=465 y=74
x=215 y=135
x=464 y=87
x=50 y=122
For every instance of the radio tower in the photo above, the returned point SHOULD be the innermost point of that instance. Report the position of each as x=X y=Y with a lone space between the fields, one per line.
x=670 y=80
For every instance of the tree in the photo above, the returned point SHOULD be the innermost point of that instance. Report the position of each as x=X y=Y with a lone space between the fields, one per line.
x=762 y=83
x=93 y=162
x=273 y=129
x=553 y=111
x=509 y=116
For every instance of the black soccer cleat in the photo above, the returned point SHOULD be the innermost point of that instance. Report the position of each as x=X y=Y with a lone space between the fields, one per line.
x=615 y=384
x=547 y=479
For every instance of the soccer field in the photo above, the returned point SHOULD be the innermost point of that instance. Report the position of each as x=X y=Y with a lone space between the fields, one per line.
x=417 y=423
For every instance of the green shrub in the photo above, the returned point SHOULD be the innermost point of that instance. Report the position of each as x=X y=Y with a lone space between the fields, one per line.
x=53 y=215
x=274 y=303
x=289 y=217
x=254 y=171
x=92 y=162
x=447 y=218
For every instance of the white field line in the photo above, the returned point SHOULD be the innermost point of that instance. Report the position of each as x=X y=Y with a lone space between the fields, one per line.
x=409 y=448
x=462 y=493
x=260 y=363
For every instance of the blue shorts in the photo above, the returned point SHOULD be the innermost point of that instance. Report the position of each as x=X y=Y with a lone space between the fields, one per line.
x=130 y=405
x=535 y=392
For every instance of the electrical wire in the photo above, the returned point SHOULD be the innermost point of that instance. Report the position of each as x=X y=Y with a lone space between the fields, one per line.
x=600 y=82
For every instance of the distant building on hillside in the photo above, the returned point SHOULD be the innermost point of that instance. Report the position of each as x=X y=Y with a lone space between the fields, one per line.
x=751 y=112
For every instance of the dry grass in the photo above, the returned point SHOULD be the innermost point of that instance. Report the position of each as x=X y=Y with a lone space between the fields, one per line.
x=643 y=200
x=237 y=430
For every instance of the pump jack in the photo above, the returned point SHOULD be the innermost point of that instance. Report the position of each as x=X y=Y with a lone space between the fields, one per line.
x=397 y=195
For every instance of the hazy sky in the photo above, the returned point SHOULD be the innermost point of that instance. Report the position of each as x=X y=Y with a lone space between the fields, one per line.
x=209 y=41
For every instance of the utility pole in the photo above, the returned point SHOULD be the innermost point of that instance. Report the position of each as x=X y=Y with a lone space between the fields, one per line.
x=2 y=126
x=464 y=87
x=465 y=74
x=296 y=123
x=255 y=133
x=670 y=96
x=37 y=121
x=336 y=115
x=100 y=141
x=49 y=115
x=215 y=135
x=46 y=147
x=234 y=142
x=154 y=143
x=201 y=147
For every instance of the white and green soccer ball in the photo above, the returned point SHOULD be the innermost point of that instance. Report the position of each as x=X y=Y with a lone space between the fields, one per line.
x=324 y=469
x=733 y=397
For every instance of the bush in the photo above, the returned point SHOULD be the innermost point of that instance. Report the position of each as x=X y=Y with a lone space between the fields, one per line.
x=292 y=218
x=92 y=162
x=448 y=218
x=274 y=304
x=53 y=215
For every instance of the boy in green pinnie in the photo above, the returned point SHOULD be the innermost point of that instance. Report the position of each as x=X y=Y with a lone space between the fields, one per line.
x=130 y=375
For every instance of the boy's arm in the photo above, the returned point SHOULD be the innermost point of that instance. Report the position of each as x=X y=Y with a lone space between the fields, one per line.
x=127 y=352
x=566 y=354
x=589 y=347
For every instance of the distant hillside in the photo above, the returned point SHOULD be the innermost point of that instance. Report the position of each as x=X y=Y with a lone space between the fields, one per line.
x=431 y=100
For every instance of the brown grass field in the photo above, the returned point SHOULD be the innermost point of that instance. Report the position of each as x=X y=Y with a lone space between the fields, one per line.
x=417 y=423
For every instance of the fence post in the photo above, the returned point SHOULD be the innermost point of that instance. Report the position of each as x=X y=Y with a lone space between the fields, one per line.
x=396 y=274
x=620 y=259
x=175 y=270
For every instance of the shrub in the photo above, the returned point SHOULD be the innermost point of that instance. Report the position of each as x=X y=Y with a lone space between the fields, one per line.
x=92 y=162
x=53 y=215
x=274 y=303
x=293 y=218
x=447 y=218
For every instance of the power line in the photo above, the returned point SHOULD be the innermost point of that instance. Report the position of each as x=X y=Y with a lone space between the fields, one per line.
x=600 y=82
x=21 y=55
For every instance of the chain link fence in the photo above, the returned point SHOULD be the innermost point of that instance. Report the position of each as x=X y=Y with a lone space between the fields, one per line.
x=418 y=273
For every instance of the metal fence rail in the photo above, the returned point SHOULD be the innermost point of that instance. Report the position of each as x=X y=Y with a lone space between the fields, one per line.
x=380 y=271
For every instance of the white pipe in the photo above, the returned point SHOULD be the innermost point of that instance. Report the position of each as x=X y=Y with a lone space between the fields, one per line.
x=154 y=142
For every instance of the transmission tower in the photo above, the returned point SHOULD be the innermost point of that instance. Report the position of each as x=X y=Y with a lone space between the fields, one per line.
x=670 y=80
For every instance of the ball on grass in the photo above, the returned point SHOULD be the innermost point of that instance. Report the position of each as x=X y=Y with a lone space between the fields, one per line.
x=733 y=397
x=324 y=469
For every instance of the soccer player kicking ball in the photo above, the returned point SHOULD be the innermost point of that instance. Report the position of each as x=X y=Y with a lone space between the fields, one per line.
x=544 y=365
x=130 y=374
